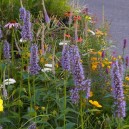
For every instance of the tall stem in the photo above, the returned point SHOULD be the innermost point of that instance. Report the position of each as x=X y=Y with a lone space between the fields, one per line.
x=65 y=96
x=81 y=113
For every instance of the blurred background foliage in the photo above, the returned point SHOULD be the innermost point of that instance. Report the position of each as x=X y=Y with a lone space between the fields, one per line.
x=9 y=9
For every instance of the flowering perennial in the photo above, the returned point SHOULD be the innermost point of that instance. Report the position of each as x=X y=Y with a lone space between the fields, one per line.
x=22 y=13
x=34 y=67
x=6 y=50
x=117 y=90
x=1 y=105
x=71 y=61
x=1 y=34
x=66 y=58
x=26 y=28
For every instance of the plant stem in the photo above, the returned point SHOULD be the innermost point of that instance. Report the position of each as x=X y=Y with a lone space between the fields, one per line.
x=65 y=103
x=81 y=113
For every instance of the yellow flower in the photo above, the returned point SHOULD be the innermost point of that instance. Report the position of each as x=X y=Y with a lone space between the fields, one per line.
x=102 y=65
x=1 y=102
x=127 y=78
x=99 y=33
x=1 y=105
x=99 y=53
x=93 y=59
x=91 y=93
x=94 y=67
x=95 y=103
x=108 y=67
x=88 y=18
x=42 y=60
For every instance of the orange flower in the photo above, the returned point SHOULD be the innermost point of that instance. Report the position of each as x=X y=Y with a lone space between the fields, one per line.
x=67 y=35
x=77 y=18
x=79 y=40
x=68 y=14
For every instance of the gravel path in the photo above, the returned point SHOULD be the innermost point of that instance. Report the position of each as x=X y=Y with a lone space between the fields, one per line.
x=117 y=14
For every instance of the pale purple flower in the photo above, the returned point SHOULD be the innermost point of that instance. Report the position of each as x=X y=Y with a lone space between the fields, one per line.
x=46 y=17
x=12 y=24
x=85 y=86
x=32 y=126
x=22 y=13
x=77 y=69
x=34 y=67
x=117 y=90
x=65 y=58
x=1 y=34
x=26 y=33
x=74 y=95
x=81 y=84
x=6 y=50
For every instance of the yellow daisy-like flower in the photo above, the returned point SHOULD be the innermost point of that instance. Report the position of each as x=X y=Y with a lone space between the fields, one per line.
x=127 y=78
x=94 y=67
x=94 y=59
x=100 y=53
x=1 y=105
x=88 y=18
x=95 y=103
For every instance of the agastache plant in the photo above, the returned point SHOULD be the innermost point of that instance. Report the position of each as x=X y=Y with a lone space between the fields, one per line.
x=117 y=90
x=1 y=34
x=6 y=50
x=34 y=67
x=81 y=84
x=65 y=58
x=46 y=17
x=22 y=13
x=26 y=33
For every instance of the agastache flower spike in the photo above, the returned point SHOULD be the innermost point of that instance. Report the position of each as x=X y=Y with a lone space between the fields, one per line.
x=66 y=58
x=46 y=17
x=34 y=67
x=117 y=90
x=78 y=76
x=74 y=95
x=26 y=28
x=1 y=34
x=22 y=13
x=77 y=69
x=6 y=50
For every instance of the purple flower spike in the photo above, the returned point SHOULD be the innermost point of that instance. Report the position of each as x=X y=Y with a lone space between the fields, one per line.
x=127 y=61
x=74 y=95
x=85 y=86
x=46 y=17
x=117 y=90
x=26 y=28
x=6 y=50
x=124 y=43
x=22 y=13
x=77 y=69
x=66 y=58
x=81 y=85
x=1 y=34
x=34 y=67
